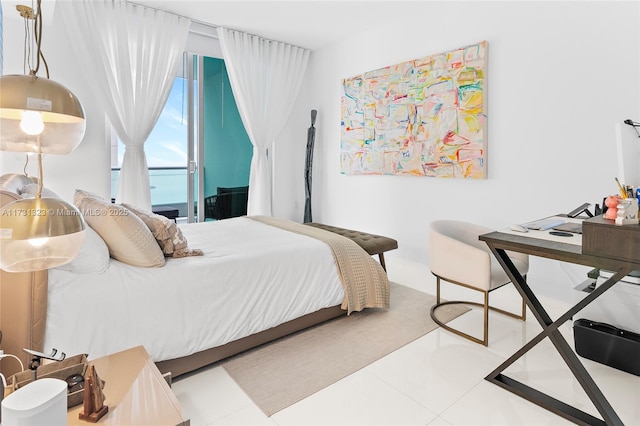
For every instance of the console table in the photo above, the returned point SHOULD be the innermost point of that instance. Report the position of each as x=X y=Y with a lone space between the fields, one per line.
x=135 y=392
x=498 y=242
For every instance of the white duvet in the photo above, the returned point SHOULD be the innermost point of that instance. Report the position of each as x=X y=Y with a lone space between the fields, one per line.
x=252 y=277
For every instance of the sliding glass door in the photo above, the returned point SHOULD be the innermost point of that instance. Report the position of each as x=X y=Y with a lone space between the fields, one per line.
x=199 y=153
x=228 y=152
x=220 y=150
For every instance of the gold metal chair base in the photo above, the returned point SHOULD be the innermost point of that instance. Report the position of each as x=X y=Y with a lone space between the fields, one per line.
x=485 y=340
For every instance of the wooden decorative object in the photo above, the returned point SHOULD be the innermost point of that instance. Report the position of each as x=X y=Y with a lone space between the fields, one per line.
x=94 y=407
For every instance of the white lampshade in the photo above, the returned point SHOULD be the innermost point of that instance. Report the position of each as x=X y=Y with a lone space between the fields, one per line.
x=39 y=233
x=32 y=107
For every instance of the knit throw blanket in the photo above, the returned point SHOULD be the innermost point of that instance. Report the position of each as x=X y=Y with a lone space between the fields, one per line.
x=364 y=281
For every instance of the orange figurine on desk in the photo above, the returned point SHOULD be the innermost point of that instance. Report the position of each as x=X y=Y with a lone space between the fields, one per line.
x=612 y=202
x=94 y=407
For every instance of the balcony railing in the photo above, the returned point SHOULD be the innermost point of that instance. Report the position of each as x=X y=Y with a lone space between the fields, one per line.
x=168 y=186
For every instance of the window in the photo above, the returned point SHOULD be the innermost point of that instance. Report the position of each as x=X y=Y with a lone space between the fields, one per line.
x=166 y=151
x=222 y=150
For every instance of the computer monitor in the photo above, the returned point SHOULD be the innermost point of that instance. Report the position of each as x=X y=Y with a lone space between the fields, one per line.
x=628 y=150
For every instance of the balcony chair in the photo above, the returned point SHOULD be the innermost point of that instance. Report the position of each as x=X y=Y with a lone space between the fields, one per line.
x=227 y=203
x=457 y=256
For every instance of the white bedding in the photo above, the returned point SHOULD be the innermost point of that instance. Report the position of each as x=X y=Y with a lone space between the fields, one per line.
x=252 y=277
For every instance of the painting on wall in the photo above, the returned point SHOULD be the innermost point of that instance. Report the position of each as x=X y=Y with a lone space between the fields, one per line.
x=424 y=117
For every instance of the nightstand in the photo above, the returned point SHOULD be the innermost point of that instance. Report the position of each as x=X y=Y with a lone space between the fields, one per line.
x=135 y=391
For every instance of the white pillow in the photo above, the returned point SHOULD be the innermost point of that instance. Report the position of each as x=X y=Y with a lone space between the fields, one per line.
x=127 y=237
x=30 y=190
x=93 y=256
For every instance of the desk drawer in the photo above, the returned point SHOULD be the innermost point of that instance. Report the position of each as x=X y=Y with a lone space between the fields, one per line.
x=601 y=237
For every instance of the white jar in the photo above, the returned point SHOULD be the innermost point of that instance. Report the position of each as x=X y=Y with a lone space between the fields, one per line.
x=627 y=212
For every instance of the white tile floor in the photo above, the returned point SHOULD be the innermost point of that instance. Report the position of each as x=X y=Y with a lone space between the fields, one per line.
x=435 y=380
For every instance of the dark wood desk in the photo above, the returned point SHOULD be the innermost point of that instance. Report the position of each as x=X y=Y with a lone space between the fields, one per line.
x=498 y=242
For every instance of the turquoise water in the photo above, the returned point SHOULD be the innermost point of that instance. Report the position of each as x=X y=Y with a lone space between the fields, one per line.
x=168 y=186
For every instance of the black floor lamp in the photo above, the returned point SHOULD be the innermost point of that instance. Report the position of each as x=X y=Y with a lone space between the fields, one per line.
x=311 y=137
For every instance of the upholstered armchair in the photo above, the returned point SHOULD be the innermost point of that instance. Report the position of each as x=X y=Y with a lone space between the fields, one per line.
x=457 y=256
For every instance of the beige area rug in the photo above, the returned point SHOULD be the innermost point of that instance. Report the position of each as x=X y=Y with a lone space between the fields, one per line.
x=281 y=373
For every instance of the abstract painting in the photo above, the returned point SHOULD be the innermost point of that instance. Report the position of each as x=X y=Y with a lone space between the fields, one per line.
x=424 y=117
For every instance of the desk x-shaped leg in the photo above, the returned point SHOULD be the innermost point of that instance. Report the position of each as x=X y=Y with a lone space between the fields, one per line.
x=550 y=330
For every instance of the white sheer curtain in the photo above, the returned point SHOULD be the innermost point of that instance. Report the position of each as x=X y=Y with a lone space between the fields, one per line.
x=265 y=77
x=131 y=54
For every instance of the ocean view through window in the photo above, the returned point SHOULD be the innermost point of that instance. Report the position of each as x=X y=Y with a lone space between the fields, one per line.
x=166 y=151
x=167 y=184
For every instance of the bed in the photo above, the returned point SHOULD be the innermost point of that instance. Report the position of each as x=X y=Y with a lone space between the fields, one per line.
x=257 y=279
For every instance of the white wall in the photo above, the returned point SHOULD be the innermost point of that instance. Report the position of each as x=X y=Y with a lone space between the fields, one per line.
x=560 y=75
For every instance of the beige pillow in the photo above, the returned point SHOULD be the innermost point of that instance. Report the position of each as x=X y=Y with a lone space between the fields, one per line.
x=166 y=233
x=127 y=237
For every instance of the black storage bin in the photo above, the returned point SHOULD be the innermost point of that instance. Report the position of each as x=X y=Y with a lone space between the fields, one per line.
x=608 y=345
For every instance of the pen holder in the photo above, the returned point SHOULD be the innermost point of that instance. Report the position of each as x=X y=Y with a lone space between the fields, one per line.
x=627 y=213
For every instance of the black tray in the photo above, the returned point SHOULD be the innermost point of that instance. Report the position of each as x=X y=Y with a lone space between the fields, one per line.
x=608 y=345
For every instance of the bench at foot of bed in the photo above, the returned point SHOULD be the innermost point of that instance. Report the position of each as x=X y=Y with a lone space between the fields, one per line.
x=371 y=243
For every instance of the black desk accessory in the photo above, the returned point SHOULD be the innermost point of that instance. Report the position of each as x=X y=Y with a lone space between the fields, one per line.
x=607 y=345
x=583 y=208
x=634 y=125
x=561 y=234
x=597 y=211
x=36 y=361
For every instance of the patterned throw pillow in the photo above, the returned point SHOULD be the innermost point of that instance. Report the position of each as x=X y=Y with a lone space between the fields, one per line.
x=166 y=232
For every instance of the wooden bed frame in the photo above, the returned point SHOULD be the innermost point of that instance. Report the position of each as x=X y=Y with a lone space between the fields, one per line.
x=23 y=308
